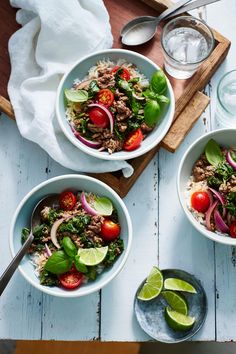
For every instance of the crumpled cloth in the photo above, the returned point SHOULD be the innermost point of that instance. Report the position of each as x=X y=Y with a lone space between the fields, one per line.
x=55 y=34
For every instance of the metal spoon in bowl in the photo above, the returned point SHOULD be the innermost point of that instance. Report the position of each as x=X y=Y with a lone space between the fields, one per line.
x=50 y=200
x=141 y=29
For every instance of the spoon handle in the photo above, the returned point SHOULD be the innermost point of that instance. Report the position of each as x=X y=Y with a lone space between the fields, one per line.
x=6 y=276
x=192 y=6
x=171 y=9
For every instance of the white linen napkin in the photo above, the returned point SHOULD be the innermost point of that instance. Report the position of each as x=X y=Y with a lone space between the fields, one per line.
x=55 y=34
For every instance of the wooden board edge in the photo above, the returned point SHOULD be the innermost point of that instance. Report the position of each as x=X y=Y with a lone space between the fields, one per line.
x=6 y=107
x=185 y=121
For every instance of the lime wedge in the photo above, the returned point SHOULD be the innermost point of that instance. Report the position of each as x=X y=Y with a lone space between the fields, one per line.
x=177 y=321
x=153 y=285
x=92 y=256
x=179 y=285
x=176 y=301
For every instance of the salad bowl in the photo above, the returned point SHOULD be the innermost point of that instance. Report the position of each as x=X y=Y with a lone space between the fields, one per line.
x=56 y=185
x=225 y=139
x=79 y=71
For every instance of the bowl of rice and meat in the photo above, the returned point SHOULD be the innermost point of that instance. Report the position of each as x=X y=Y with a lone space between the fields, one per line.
x=82 y=240
x=115 y=104
x=206 y=185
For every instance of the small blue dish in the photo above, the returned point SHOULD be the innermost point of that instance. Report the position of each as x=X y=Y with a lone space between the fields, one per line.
x=150 y=314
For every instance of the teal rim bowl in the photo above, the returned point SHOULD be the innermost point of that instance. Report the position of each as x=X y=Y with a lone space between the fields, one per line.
x=80 y=70
x=22 y=217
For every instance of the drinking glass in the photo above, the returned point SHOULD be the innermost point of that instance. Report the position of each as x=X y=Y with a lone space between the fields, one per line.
x=226 y=100
x=186 y=42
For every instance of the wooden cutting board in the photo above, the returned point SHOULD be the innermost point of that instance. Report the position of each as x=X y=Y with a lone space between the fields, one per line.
x=190 y=101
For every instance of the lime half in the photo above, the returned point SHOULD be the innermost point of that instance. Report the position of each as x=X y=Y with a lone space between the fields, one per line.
x=176 y=301
x=177 y=321
x=179 y=285
x=153 y=285
x=92 y=256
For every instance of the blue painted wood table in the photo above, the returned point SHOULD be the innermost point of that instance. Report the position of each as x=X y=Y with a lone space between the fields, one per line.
x=162 y=236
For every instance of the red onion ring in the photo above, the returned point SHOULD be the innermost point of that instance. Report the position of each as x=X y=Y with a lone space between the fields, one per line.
x=230 y=160
x=109 y=114
x=87 y=207
x=89 y=143
x=208 y=215
x=219 y=222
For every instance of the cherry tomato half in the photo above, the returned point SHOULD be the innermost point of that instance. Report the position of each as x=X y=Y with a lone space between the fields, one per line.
x=125 y=73
x=105 y=97
x=200 y=201
x=133 y=140
x=110 y=230
x=67 y=200
x=232 y=230
x=98 y=117
x=71 y=279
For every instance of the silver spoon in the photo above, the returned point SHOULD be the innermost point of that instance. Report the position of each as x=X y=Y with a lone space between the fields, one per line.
x=141 y=29
x=51 y=200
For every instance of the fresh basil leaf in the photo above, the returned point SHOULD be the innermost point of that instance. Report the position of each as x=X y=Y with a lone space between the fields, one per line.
x=81 y=267
x=69 y=247
x=58 y=263
x=103 y=206
x=76 y=95
x=159 y=82
x=151 y=113
x=163 y=99
x=213 y=153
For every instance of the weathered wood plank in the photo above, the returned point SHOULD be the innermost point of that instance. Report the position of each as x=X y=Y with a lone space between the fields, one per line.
x=225 y=256
x=117 y=318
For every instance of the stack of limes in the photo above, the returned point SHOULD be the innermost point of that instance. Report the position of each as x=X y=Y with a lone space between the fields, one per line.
x=176 y=313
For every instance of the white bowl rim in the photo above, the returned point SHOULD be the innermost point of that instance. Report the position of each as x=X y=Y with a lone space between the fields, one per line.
x=209 y=234
x=103 y=283
x=94 y=152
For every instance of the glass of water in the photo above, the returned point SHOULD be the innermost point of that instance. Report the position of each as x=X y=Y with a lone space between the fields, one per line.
x=186 y=42
x=226 y=100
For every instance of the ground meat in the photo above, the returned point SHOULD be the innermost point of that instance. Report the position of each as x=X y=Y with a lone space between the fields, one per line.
x=123 y=112
x=122 y=126
x=46 y=239
x=77 y=241
x=103 y=135
x=112 y=145
x=96 y=223
x=228 y=187
x=94 y=128
x=202 y=169
x=145 y=128
x=105 y=79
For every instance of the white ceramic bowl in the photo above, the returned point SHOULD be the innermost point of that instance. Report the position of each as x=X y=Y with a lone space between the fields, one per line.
x=80 y=70
x=22 y=217
x=224 y=137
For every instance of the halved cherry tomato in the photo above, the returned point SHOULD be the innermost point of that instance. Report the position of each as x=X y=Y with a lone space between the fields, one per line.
x=71 y=279
x=125 y=73
x=232 y=229
x=200 y=201
x=133 y=140
x=110 y=230
x=105 y=97
x=98 y=117
x=67 y=200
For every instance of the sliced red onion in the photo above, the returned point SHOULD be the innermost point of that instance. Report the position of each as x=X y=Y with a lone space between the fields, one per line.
x=210 y=197
x=48 y=251
x=230 y=160
x=218 y=195
x=109 y=114
x=89 y=143
x=53 y=233
x=219 y=222
x=87 y=207
x=209 y=213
